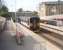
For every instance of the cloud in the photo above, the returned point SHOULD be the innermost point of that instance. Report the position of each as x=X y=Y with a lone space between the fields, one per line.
x=25 y=4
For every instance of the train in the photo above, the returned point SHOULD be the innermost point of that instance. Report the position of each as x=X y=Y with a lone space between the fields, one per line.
x=34 y=23
x=50 y=22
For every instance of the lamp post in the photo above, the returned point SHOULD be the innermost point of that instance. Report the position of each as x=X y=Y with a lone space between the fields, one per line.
x=15 y=10
x=1 y=3
x=59 y=7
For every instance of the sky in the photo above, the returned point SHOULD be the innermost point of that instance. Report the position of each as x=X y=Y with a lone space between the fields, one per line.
x=14 y=5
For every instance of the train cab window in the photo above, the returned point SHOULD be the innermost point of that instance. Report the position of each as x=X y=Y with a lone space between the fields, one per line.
x=36 y=19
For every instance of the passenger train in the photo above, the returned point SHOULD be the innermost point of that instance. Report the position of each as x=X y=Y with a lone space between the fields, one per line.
x=34 y=23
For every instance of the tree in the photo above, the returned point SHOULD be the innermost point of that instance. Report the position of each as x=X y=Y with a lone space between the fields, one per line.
x=20 y=10
x=35 y=13
x=4 y=8
x=4 y=11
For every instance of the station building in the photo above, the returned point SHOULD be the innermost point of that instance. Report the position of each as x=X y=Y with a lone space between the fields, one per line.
x=50 y=8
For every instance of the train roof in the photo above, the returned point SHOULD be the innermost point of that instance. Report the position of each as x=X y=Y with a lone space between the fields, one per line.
x=52 y=17
x=35 y=17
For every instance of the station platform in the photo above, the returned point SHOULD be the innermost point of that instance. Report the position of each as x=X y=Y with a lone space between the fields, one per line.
x=36 y=41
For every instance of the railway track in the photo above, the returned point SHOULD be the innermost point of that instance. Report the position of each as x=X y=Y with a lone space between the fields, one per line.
x=52 y=37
